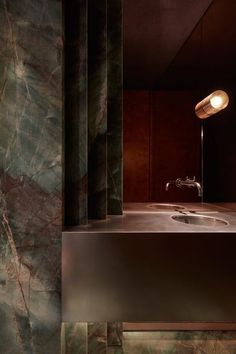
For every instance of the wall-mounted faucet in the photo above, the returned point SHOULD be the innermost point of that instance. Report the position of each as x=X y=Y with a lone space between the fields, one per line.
x=187 y=182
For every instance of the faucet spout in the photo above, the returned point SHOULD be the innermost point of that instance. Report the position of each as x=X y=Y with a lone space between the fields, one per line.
x=168 y=184
x=199 y=188
x=187 y=182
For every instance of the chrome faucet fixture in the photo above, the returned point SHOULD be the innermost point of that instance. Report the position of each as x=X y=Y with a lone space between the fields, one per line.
x=187 y=182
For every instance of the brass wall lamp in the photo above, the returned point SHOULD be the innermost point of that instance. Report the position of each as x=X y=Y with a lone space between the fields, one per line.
x=212 y=104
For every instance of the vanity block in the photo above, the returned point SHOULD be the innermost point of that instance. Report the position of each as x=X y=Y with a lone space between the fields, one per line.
x=140 y=276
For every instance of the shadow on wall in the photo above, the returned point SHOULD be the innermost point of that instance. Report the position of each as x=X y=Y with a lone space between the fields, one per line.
x=219 y=154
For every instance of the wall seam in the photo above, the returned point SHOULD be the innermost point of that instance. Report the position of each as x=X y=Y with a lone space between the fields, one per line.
x=150 y=143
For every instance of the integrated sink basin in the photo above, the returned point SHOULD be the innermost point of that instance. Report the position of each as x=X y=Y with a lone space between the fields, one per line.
x=200 y=220
x=166 y=206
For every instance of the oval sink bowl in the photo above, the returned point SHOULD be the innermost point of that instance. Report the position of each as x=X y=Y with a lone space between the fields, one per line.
x=200 y=220
x=166 y=206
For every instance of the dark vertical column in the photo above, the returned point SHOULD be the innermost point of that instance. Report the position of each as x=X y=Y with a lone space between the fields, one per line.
x=76 y=112
x=114 y=105
x=97 y=109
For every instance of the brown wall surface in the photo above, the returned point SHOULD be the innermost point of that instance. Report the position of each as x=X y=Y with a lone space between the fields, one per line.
x=137 y=146
x=161 y=143
x=176 y=144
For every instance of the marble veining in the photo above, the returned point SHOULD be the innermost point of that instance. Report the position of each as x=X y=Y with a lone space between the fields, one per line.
x=179 y=342
x=76 y=339
x=76 y=85
x=114 y=334
x=30 y=175
x=93 y=110
x=114 y=107
x=91 y=338
x=97 y=109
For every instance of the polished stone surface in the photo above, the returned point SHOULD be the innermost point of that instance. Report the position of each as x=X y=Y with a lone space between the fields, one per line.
x=76 y=86
x=114 y=107
x=91 y=338
x=93 y=110
x=97 y=109
x=166 y=207
x=74 y=338
x=114 y=334
x=30 y=175
x=139 y=217
x=179 y=342
x=97 y=337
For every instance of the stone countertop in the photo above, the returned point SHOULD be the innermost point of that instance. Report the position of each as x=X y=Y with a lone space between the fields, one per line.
x=140 y=218
x=198 y=207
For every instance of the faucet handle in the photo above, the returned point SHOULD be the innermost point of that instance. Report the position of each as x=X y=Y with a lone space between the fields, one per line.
x=189 y=179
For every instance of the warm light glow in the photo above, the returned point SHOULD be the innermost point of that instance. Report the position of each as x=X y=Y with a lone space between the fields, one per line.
x=216 y=101
x=212 y=104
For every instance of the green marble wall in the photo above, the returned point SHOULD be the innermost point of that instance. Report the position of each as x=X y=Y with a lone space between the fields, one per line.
x=104 y=108
x=74 y=338
x=107 y=338
x=97 y=109
x=76 y=113
x=114 y=106
x=187 y=342
x=91 y=338
x=30 y=175
x=93 y=110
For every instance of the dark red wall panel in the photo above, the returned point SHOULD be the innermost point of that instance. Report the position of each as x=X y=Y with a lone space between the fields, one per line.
x=161 y=143
x=175 y=144
x=136 y=146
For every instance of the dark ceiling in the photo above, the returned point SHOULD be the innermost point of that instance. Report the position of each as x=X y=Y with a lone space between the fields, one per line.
x=179 y=44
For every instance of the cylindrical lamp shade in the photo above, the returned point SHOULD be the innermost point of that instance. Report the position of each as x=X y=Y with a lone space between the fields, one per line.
x=212 y=104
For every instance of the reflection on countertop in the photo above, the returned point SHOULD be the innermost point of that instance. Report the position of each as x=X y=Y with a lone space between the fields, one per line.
x=143 y=217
